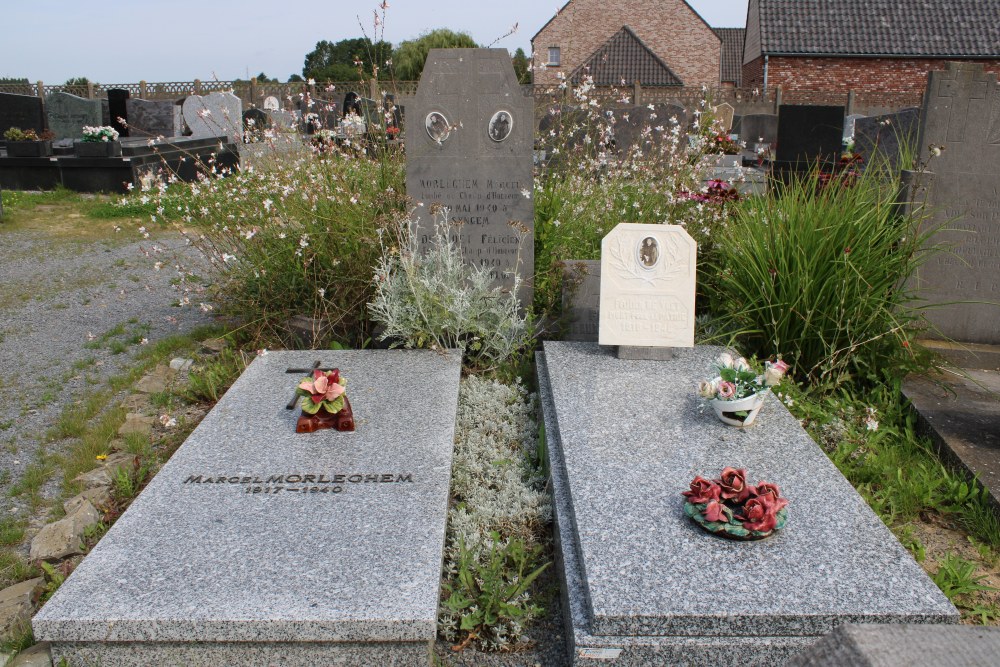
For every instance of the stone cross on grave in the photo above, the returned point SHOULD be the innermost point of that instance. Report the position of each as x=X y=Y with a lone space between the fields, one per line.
x=960 y=105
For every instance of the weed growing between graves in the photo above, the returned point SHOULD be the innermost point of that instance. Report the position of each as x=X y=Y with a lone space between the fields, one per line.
x=590 y=183
x=294 y=233
x=434 y=299
x=817 y=270
x=498 y=519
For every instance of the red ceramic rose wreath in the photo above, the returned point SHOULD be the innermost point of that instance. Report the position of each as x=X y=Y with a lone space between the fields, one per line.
x=730 y=507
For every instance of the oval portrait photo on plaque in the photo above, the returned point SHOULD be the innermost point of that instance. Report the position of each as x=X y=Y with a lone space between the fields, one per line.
x=500 y=126
x=437 y=126
x=649 y=252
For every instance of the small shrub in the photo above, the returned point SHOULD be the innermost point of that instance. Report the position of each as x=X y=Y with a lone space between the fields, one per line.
x=437 y=300
x=957 y=578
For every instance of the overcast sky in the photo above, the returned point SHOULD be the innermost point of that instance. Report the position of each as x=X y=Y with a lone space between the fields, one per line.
x=124 y=41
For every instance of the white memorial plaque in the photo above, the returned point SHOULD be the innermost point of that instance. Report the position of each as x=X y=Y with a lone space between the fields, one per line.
x=647 y=286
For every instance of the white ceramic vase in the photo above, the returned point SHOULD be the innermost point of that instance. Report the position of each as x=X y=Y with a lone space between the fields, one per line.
x=725 y=410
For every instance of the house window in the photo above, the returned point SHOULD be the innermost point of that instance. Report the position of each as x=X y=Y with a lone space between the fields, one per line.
x=553 y=56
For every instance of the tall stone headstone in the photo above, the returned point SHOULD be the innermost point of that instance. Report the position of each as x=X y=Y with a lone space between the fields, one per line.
x=23 y=111
x=469 y=149
x=850 y=126
x=68 y=114
x=648 y=286
x=154 y=118
x=809 y=133
x=117 y=108
x=887 y=138
x=961 y=118
x=724 y=114
x=214 y=115
x=759 y=128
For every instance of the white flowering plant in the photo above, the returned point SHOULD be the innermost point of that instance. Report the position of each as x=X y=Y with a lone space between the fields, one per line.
x=737 y=379
x=102 y=133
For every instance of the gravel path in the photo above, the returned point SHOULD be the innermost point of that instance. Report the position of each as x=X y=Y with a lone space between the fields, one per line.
x=56 y=296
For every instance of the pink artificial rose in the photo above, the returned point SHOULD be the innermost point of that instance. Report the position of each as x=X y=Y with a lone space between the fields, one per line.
x=726 y=390
x=333 y=391
x=713 y=512
x=320 y=384
x=733 y=484
x=702 y=491
x=760 y=515
x=769 y=492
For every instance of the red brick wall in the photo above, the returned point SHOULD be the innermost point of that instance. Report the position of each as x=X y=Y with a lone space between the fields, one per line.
x=845 y=74
x=670 y=28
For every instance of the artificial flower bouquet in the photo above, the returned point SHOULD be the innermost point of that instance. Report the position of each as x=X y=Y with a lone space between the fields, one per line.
x=324 y=402
x=730 y=507
x=737 y=394
x=102 y=133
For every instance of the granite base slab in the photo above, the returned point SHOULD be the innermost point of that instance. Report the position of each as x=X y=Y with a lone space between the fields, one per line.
x=642 y=585
x=253 y=534
x=286 y=654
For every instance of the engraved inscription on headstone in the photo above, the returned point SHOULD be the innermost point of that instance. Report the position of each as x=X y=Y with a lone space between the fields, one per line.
x=961 y=115
x=315 y=484
x=647 y=286
x=69 y=114
x=470 y=151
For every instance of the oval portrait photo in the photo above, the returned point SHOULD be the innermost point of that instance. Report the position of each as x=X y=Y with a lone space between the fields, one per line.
x=501 y=125
x=437 y=126
x=649 y=252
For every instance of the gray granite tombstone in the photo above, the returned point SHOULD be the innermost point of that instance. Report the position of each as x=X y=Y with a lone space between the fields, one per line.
x=581 y=299
x=117 y=108
x=469 y=149
x=154 y=118
x=886 y=138
x=214 y=115
x=850 y=125
x=68 y=114
x=961 y=118
x=258 y=545
x=23 y=111
x=643 y=584
x=637 y=125
x=256 y=123
x=759 y=128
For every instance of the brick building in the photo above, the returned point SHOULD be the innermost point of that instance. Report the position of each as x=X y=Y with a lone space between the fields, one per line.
x=620 y=42
x=865 y=45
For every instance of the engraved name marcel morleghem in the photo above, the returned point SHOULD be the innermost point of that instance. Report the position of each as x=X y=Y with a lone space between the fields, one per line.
x=301 y=484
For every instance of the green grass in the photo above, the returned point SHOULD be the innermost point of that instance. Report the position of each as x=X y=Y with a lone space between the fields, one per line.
x=11 y=531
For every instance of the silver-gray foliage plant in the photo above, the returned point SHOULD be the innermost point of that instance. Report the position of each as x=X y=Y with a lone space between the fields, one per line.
x=434 y=299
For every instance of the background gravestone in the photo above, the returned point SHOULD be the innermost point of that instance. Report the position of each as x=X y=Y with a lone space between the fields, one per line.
x=886 y=137
x=469 y=148
x=23 y=111
x=154 y=118
x=724 y=114
x=850 y=126
x=581 y=299
x=271 y=103
x=630 y=122
x=68 y=114
x=255 y=124
x=809 y=133
x=214 y=115
x=118 y=108
x=759 y=128
x=962 y=116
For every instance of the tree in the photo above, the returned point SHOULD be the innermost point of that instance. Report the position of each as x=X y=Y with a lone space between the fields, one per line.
x=263 y=78
x=338 y=62
x=521 y=64
x=79 y=81
x=408 y=60
x=295 y=78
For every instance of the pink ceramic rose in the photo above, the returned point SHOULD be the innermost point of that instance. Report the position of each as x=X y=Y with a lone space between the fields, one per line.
x=733 y=484
x=759 y=514
x=702 y=491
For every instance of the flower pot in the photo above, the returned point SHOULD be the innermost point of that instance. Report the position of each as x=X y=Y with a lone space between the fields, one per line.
x=727 y=411
x=98 y=148
x=29 y=148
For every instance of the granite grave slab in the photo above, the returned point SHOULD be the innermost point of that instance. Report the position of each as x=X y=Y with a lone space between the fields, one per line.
x=68 y=114
x=257 y=545
x=469 y=146
x=961 y=118
x=214 y=115
x=154 y=118
x=642 y=584
x=648 y=286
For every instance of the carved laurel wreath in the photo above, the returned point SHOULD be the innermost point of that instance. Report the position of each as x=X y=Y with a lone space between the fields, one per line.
x=672 y=265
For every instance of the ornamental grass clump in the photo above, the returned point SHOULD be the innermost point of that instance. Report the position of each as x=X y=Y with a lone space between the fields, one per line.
x=498 y=520
x=433 y=298
x=819 y=269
